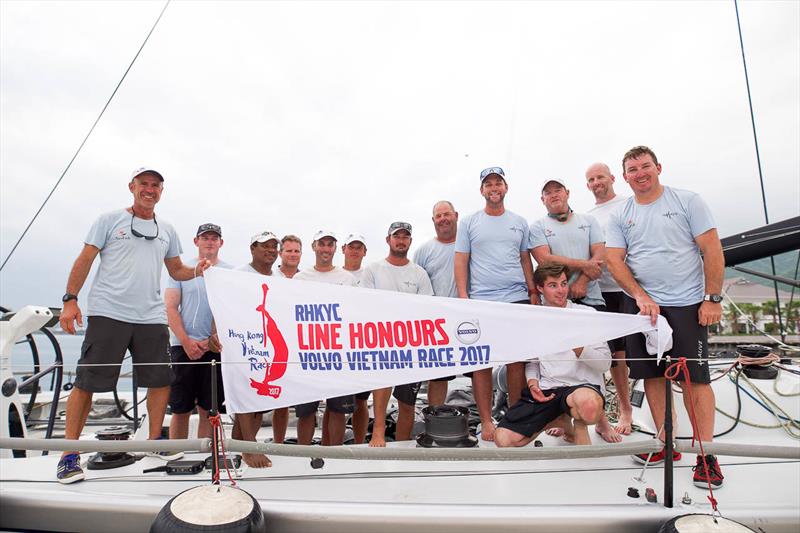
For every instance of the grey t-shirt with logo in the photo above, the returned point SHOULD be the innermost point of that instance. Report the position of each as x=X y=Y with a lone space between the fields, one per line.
x=661 y=250
x=601 y=212
x=574 y=239
x=127 y=286
x=410 y=278
x=437 y=259
x=494 y=244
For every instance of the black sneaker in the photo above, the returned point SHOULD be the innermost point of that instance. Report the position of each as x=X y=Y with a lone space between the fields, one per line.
x=69 y=469
x=702 y=476
x=656 y=458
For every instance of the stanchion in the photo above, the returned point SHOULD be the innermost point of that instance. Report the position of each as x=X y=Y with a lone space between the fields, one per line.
x=212 y=413
x=668 y=445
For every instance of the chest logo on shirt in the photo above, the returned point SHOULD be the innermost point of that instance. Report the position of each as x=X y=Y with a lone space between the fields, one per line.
x=409 y=284
x=629 y=224
x=549 y=233
x=121 y=235
x=670 y=214
x=585 y=227
x=515 y=228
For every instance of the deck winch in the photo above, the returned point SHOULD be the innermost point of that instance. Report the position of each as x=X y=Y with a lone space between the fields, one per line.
x=106 y=460
x=757 y=371
x=446 y=427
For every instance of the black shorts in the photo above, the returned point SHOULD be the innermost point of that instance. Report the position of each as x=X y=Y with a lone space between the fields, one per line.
x=106 y=342
x=406 y=393
x=529 y=417
x=341 y=404
x=446 y=378
x=191 y=384
x=521 y=302
x=363 y=395
x=614 y=304
x=689 y=339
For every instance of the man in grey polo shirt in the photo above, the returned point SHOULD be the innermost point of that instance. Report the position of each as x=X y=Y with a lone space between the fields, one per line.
x=396 y=273
x=190 y=322
x=125 y=308
x=664 y=251
x=437 y=257
x=493 y=263
x=600 y=181
x=576 y=241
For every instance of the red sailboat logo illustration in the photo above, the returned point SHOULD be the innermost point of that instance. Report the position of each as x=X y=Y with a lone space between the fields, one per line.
x=277 y=367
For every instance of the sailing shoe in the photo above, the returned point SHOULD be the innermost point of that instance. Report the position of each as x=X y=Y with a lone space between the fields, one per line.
x=656 y=458
x=165 y=455
x=703 y=477
x=69 y=469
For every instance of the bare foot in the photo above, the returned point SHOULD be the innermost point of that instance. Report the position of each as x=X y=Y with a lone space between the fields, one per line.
x=555 y=432
x=256 y=460
x=377 y=441
x=608 y=433
x=487 y=431
x=624 y=423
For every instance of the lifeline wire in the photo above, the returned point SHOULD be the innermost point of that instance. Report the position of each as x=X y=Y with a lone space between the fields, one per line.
x=58 y=182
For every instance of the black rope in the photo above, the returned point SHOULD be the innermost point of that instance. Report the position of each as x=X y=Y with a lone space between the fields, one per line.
x=758 y=160
x=53 y=190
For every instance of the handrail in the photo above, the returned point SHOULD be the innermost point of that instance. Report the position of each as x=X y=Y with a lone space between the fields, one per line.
x=397 y=453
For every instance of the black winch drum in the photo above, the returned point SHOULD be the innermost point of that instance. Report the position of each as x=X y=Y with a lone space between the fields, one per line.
x=446 y=426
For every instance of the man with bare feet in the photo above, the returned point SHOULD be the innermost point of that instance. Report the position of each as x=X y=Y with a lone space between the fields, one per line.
x=600 y=181
x=264 y=253
x=355 y=250
x=492 y=262
x=336 y=409
x=190 y=322
x=575 y=240
x=564 y=383
x=396 y=273
x=437 y=257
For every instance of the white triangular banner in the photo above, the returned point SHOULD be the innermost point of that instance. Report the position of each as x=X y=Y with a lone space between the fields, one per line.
x=287 y=342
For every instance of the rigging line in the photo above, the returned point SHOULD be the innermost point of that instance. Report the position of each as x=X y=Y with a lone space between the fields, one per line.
x=86 y=138
x=758 y=160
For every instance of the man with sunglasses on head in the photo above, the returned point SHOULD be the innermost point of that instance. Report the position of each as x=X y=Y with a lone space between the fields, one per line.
x=125 y=309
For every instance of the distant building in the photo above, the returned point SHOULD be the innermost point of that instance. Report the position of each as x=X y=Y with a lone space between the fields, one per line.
x=751 y=298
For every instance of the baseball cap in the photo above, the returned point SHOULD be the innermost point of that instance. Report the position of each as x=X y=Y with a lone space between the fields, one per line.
x=264 y=236
x=394 y=227
x=355 y=237
x=557 y=180
x=206 y=228
x=142 y=170
x=323 y=233
x=492 y=170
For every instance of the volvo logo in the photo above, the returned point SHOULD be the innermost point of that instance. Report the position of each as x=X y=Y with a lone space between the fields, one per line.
x=468 y=332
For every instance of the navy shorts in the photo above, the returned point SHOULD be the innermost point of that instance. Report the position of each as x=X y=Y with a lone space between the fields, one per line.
x=689 y=339
x=615 y=304
x=529 y=417
x=191 y=384
x=341 y=404
x=106 y=342
x=406 y=393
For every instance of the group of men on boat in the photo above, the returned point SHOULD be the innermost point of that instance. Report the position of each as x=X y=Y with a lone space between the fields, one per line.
x=654 y=253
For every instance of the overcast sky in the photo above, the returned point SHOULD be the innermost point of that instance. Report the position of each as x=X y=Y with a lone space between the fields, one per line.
x=292 y=117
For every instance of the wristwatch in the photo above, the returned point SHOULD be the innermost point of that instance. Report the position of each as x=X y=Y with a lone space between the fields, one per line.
x=713 y=298
x=67 y=297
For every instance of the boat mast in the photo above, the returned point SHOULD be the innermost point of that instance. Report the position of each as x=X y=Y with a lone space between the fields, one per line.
x=758 y=161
